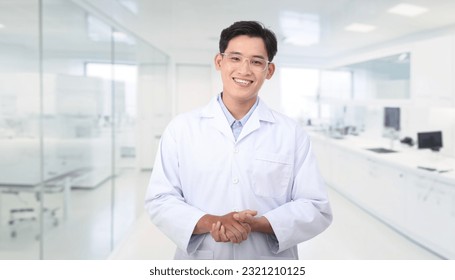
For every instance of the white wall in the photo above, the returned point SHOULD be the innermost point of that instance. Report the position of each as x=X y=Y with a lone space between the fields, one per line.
x=432 y=88
x=154 y=111
x=193 y=86
x=270 y=92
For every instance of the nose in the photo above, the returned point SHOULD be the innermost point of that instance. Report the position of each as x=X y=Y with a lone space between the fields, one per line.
x=245 y=66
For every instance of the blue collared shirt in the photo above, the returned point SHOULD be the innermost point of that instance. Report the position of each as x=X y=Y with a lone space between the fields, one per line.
x=236 y=125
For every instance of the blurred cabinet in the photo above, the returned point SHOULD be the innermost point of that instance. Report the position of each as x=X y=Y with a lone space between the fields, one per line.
x=378 y=188
x=385 y=191
x=348 y=171
x=322 y=153
x=430 y=213
x=419 y=206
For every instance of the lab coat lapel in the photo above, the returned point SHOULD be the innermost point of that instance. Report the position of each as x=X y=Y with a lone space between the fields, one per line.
x=214 y=114
x=262 y=113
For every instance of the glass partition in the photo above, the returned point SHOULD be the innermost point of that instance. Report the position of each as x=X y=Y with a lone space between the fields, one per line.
x=77 y=134
x=75 y=117
x=20 y=168
x=143 y=108
x=381 y=78
x=352 y=96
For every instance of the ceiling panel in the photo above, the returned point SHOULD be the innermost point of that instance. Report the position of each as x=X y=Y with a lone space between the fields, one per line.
x=185 y=27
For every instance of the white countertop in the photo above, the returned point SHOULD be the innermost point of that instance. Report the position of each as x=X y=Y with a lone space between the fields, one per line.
x=406 y=157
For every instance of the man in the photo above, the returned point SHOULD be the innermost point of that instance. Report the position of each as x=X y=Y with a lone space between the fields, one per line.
x=236 y=180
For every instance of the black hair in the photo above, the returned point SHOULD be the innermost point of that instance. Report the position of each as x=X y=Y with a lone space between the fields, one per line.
x=251 y=29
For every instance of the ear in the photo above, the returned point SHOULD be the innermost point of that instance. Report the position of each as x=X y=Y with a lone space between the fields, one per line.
x=218 y=59
x=270 y=71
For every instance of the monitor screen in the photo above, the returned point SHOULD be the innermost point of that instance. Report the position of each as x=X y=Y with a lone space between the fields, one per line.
x=430 y=140
x=392 y=118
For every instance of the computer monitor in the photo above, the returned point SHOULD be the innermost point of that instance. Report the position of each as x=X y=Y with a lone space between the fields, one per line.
x=430 y=140
x=392 y=118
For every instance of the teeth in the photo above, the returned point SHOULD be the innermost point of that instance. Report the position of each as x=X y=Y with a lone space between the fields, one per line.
x=245 y=82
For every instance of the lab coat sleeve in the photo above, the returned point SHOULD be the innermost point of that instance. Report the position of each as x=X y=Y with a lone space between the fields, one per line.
x=165 y=202
x=308 y=213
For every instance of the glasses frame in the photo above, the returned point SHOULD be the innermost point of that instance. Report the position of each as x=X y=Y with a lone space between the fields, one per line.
x=267 y=63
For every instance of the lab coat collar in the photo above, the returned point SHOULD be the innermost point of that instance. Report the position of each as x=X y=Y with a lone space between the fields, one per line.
x=214 y=112
x=264 y=113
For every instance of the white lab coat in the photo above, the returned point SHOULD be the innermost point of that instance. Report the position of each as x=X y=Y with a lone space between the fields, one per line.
x=200 y=169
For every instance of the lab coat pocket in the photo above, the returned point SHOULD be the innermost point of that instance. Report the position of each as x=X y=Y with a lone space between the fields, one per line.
x=271 y=174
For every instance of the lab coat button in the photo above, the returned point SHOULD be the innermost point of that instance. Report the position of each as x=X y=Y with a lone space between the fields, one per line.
x=236 y=150
x=235 y=180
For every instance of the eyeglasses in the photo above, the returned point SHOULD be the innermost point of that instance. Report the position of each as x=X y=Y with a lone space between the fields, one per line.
x=256 y=63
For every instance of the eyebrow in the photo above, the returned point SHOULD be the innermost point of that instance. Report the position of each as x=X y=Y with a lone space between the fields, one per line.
x=256 y=56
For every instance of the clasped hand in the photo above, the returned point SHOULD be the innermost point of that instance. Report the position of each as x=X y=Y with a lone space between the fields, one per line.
x=233 y=227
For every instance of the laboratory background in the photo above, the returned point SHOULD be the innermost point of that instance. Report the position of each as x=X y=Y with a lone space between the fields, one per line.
x=87 y=88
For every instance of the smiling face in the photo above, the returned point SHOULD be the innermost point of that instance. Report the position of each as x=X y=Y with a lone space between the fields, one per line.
x=241 y=81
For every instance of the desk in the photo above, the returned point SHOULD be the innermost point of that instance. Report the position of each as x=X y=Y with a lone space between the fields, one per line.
x=52 y=184
x=21 y=160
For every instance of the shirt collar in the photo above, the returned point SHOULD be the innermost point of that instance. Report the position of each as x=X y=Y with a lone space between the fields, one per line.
x=228 y=114
x=213 y=110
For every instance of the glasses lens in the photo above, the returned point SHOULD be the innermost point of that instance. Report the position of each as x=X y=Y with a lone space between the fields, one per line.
x=259 y=63
x=256 y=63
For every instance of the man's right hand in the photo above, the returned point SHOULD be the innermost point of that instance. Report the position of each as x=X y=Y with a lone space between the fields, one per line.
x=223 y=228
x=228 y=229
x=219 y=233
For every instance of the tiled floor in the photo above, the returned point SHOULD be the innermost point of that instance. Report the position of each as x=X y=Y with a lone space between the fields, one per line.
x=354 y=235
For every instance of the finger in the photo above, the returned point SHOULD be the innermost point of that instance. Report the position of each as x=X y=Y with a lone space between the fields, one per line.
x=240 y=216
x=247 y=227
x=223 y=236
x=241 y=232
x=216 y=226
x=238 y=231
x=248 y=230
x=251 y=212
x=248 y=219
x=245 y=216
x=231 y=236
x=215 y=232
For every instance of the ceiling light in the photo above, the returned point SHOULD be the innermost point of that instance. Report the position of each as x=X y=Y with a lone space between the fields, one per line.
x=403 y=57
x=300 y=29
x=120 y=37
x=130 y=5
x=407 y=10
x=360 y=27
